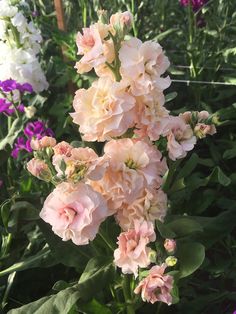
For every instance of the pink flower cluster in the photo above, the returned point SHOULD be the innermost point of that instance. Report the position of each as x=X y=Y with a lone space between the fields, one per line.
x=124 y=106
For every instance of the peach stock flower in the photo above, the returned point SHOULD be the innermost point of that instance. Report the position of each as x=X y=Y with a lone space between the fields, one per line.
x=156 y=286
x=75 y=212
x=132 y=252
x=133 y=167
x=91 y=45
x=103 y=111
x=79 y=163
x=150 y=112
x=201 y=129
x=142 y=65
x=179 y=135
x=150 y=206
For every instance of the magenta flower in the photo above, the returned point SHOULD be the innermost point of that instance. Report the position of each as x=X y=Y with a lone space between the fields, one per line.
x=21 y=144
x=10 y=85
x=36 y=129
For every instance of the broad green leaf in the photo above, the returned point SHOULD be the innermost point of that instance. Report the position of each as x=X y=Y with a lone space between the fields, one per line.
x=184 y=226
x=170 y=97
x=94 y=307
x=42 y=259
x=190 y=255
x=60 y=303
x=218 y=176
x=98 y=270
x=188 y=167
x=164 y=230
x=66 y=253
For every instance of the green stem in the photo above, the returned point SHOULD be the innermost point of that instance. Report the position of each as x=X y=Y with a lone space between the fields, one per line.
x=168 y=178
x=127 y=294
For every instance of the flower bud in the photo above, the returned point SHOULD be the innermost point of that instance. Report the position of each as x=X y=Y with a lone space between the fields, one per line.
x=171 y=261
x=121 y=22
x=30 y=111
x=170 y=245
x=39 y=169
x=47 y=141
x=35 y=144
x=152 y=256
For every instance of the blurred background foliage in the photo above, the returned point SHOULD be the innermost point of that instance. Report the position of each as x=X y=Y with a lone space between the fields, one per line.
x=203 y=185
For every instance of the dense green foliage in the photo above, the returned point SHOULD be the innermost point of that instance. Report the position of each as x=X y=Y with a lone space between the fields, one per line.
x=35 y=265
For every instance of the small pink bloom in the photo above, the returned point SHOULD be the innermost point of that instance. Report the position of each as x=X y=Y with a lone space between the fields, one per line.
x=142 y=65
x=35 y=144
x=47 y=141
x=39 y=169
x=179 y=135
x=121 y=19
x=156 y=286
x=170 y=245
x=75 y=212
x=103 y=111
x=63 y=148
x=132 y=251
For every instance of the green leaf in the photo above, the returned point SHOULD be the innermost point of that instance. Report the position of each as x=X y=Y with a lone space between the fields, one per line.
x=98 y=270
x=218 y=176
x=190 y=255
x=16 y=128
x=94 y=307
x=188 y=167
x=184 y=226
x=164 y=230
x=42 y=259
x=60 y=303
x=165 y=34
x=170 y=97
x=66 y=253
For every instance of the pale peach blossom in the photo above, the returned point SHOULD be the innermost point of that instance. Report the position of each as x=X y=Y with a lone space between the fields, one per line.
x=150 y=112
x=63 y=148
x=39 y=169
x=142 y=65
x=81 y=163
x=47 y=141
x=150 y=206
x=170 y=245
x=201 y=129
x=75 y=212
x=119 y=187
x=91 y=46
x=136 y=155
x=121 y=20
x=179 y=135
x=103 y=111
x=132 y=251
x=157 y=286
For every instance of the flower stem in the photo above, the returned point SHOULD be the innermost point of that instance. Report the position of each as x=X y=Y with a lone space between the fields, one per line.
x=127 y=294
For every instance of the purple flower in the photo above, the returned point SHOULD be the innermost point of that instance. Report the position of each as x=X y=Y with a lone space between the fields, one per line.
x=1 y=183
x=5 y=107
x=184 y=3
x=34 y=129
x=21 y=108
x=37 y=129
x=196 y=4
x=9 y=85
x=35 y=13
x=21 y=144
x=26 y=87
x=201 y=23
